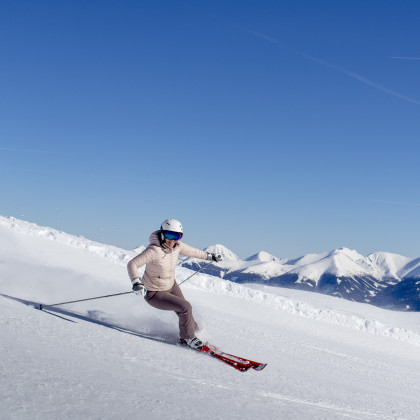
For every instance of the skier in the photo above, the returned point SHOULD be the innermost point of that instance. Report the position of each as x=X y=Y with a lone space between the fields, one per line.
x=158 y=285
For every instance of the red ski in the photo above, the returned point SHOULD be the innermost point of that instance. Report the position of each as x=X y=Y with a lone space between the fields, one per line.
x=238 y=363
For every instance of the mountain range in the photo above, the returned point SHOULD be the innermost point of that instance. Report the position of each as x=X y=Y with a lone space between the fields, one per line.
x=383 y=279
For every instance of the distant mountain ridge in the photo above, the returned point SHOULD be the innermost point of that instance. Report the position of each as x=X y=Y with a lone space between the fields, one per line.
x=383 y=279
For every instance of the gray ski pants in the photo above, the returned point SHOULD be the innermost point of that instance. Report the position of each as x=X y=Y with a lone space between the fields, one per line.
x=174 y=300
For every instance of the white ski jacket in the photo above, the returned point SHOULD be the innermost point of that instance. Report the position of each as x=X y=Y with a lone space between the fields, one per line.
x=160 y=261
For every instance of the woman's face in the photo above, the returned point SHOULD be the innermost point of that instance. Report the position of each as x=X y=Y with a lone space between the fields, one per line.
x=171 y=243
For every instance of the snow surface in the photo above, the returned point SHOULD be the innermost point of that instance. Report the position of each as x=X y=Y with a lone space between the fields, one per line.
x=327 y=358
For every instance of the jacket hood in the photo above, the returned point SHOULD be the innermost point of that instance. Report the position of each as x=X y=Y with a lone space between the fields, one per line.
x=154 y=240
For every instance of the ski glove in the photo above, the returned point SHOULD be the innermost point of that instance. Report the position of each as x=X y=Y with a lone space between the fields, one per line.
x=214 y=257
x=138 y=287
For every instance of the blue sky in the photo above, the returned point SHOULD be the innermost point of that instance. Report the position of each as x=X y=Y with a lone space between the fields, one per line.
x=284 y=126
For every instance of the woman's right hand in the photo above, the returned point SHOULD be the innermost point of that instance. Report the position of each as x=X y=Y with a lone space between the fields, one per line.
x=139 y=289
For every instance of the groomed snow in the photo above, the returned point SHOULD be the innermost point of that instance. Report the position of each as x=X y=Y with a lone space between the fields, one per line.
x=327 y=358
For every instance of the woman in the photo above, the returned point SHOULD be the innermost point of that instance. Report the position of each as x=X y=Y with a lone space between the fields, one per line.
x=158 y=285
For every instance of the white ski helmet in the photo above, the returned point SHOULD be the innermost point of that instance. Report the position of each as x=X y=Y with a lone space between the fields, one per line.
x=172 y=225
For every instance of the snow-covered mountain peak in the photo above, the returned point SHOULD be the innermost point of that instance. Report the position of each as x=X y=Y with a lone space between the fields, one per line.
x=227 y=254
x=412 y=269
x=349 y=253
x=263 y=256
x=339 y=262
x=388 y=264
x=345 y=261
x=415 y=273
x=307 y=259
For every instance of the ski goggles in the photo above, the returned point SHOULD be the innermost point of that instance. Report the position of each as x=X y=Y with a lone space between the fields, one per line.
x=172 y=236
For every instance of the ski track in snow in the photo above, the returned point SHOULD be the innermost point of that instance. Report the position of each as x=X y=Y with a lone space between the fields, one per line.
x=63 y=383
x=84 y=341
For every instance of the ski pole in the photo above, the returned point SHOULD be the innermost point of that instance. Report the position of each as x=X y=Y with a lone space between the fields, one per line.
x=202 y=268
x=82 y=300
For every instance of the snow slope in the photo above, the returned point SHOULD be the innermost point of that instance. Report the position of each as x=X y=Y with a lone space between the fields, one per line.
x=116 y=357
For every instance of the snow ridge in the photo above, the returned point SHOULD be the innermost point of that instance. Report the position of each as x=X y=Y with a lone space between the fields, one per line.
x=107 y=252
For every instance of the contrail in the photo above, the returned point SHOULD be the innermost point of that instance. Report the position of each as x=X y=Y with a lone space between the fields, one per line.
x=403 y=203
x=324 y=63
x=406 y=58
